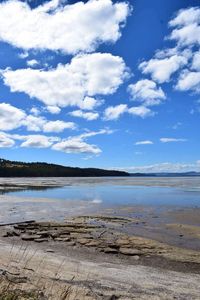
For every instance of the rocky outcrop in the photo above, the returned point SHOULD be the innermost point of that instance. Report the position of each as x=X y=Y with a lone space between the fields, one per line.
x=89 y=232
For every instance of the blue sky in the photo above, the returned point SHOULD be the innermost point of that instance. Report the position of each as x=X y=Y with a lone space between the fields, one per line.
x=101 y=83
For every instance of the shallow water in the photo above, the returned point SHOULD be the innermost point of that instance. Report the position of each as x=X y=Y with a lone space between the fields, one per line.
x=177 y=191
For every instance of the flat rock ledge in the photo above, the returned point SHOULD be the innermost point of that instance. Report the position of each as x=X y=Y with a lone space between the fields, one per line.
x=79 y=232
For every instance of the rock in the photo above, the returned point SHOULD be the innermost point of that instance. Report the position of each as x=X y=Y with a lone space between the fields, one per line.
x=30 y=237
x=122 y=242
x=58 y=239
x=71 y=243
x=83 y=241
x=11 y=233
x=110 y=250
x=112 y=245
x=55 y=235
x=63 y=232
x=75 y=235
x=44 y=234
x=93 y=244
x=129 y=251
x=136 y=257
x=40 y=240
x=66 y=239
x=50 y=250
x=87 y=236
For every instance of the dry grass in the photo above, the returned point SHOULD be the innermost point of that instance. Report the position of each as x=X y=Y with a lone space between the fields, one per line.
x=20 y=281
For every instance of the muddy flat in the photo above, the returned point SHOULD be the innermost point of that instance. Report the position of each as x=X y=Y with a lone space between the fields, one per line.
x=83 y=248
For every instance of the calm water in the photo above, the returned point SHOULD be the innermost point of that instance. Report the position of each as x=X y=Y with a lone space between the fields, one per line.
x=120 y=191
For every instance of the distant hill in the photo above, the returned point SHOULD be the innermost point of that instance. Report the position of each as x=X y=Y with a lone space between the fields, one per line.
x=40 y=169
x=166 y=174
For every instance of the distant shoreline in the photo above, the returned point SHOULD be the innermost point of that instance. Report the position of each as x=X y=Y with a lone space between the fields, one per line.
x=41 y=169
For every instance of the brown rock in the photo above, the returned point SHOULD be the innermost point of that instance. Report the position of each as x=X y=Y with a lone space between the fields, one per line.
x=136 y=257
x=93 y=244
x=40 y=240
x=122 y=242
x=66 y=239
x=11 y=233
x=32 y=237
x=83 y=241
x=129 y=251
x=58 y=239
x=71 y=243
x=110 y=250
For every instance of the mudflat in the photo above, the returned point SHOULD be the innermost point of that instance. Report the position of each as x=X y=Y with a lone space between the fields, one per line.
x=55 y=249
x=91 y=257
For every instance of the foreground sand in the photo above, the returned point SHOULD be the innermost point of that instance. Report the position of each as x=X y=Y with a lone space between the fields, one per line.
x=89 y=257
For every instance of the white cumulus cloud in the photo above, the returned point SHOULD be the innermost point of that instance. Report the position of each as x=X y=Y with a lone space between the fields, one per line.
x=186 y=27
x=68 y=28
x=89 y=116
x=57 y=126
x=146 y=91
x=37 y=141
x=10 y=117
x=114 y=112
x=189 y=80
x=78 y=144
x=70 y=85
x=162 y=69
x=5 y=141
x=32 y=63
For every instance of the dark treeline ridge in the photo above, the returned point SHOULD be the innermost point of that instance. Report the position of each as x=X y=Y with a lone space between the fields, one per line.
x=40 y=169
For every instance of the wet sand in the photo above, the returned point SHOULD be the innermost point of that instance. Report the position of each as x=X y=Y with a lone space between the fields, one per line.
x=38 y=182
x=162 y=224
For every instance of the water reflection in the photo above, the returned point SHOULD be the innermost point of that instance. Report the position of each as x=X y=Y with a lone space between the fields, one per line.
x=115 y=194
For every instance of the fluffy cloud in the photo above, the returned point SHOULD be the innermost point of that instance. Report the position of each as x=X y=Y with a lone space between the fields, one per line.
x=37 y=141
x=90 y=103
x=33 y=141
x=53 y=109
x=10 y=117
x=114 y=112
x=77 y=144
x=70 y=28
x=89 y=116
x=35 y=111
x=32 y=63
x=172 y=140
x=146 y=91
x=74 y=145
x=33 y=123
x=162 y=69
x=147 y=142
x=5 y=141
x=185 y=33
x=71 y=84
x=189 y=80
x=57 y=126
x=186 y=27
x=196 y=61
x=141 y=111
